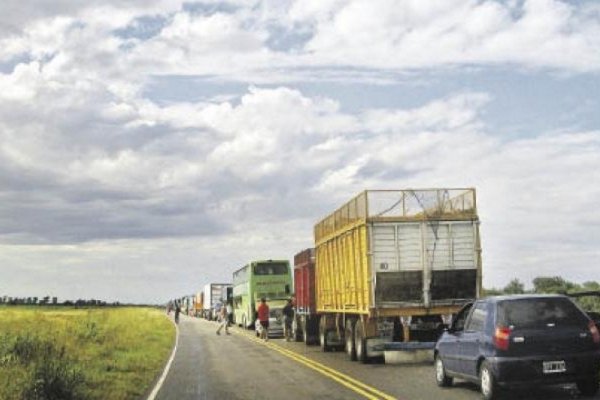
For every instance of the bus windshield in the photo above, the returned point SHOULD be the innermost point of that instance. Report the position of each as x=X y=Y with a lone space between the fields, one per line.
x=270 y=269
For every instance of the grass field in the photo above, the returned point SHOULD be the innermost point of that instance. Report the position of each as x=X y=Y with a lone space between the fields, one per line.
x=65 y=353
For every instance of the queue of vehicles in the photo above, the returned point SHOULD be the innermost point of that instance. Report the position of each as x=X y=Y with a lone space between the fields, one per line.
x=393 y=270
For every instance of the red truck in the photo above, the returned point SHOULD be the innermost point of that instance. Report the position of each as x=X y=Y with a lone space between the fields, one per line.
x=306 y=322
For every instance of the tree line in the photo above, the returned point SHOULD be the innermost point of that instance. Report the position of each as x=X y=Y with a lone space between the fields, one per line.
x=47 y=300
x=554 y=284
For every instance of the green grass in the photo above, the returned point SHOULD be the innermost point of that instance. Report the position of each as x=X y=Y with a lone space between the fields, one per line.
x=65 y=353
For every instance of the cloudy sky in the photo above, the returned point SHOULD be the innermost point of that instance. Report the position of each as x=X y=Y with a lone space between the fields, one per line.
x=148 y=147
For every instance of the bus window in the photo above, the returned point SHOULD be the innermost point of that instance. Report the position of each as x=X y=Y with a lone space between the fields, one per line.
x=270 y=269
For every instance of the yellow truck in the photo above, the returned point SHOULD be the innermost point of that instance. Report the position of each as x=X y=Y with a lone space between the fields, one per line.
x=393 y=266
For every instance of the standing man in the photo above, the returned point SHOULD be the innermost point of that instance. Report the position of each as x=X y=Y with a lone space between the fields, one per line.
x=288 y=317
x=263 y=318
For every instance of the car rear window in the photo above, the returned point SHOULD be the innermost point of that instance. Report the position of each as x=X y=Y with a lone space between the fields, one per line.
x=539 y=312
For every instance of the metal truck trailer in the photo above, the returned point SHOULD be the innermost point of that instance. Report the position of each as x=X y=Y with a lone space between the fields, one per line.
x=392 y=265
x=305 y=326
x=198 y=304
x=215 y=296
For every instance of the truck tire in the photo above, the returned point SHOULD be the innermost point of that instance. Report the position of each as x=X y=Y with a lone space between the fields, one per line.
x=297 y=330
x=323 y=335
x=305 y=326
x=349 y=336
x=360 y=342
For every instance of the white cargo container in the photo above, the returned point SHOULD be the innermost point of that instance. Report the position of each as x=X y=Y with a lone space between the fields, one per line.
x=215 y=295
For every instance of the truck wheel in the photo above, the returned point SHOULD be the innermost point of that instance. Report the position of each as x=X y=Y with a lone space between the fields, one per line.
x=305 y=326
x=296 y=330
x=323 y=336
x=350 y=343
x=360 y=342
x=487 y=382
x=588 y=387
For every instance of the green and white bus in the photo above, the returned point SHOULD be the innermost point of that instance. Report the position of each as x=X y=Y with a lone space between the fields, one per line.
x=271 y=279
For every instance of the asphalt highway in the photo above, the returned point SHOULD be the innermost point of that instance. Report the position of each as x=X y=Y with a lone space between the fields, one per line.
x=241 y=367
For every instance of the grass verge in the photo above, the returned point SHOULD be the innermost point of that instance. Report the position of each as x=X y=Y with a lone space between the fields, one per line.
x=51 y=353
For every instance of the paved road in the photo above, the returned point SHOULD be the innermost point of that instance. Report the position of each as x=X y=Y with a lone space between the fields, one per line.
x=240 y=366
x=209 y=367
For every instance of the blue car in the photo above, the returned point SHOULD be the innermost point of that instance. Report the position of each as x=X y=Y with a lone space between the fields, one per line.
x=520 y=340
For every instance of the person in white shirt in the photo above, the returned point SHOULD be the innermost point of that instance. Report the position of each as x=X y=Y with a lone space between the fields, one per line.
x=224 y=314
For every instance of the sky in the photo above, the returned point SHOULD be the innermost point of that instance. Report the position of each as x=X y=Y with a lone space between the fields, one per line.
x=148 y=147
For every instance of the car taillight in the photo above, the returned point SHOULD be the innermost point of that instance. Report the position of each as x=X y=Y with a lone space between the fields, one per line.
x=594 y=332
x=501 y=338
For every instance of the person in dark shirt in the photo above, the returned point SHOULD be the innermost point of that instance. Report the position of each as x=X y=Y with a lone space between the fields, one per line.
x=177 y=311
x=288 y=318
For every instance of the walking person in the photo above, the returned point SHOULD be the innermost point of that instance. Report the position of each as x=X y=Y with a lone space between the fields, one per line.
x=229 y=313
x=288 y=318
x=177 y=311
x=263 y=318
x=224 y=318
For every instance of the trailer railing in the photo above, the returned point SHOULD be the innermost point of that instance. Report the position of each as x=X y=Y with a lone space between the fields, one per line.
x=400 y=205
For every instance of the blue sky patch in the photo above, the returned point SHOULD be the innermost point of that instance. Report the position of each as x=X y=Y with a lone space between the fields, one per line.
x=142 y=28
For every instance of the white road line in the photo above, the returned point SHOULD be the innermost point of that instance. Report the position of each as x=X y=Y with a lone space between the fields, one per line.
x=167 y=367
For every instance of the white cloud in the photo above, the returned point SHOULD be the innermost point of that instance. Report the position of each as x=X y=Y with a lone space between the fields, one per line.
x=384 y=34
x=354 y=35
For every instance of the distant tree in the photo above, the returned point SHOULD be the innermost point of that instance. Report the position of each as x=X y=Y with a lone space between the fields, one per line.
x=590 y=286
x=514 y=287
x=491 y=292
x=554 y=284
x=589 y=303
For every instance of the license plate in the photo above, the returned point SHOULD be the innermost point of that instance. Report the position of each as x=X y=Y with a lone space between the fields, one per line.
x=554 y=367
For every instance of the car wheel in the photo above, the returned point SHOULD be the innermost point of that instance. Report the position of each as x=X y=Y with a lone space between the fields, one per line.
x=588 y=387
x=441 y=378
x=487 y=382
